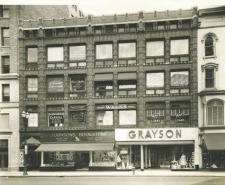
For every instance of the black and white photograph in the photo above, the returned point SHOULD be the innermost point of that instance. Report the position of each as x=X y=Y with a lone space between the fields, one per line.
x=116 y=92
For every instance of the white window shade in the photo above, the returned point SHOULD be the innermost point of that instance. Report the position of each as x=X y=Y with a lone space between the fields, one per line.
x=155 y=48
x=104 y=51
x=55 y=54
x=179 y=47
x=127 y=50
x=32 y=55
x=104 y=117
x=77 y=52
x=33 y=120
x=155 y=79
x=127 y=117
x=32 y=84
x=4 y=121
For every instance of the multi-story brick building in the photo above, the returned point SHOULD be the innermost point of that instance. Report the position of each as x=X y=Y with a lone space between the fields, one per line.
x=9 y=84
x=211 y=70
x=111 y=91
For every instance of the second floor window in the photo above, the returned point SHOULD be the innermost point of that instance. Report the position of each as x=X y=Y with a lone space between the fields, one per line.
x=5 y=36
x=33 y=116
x=128 y=115
x=215 y=113
x=5 y=65
x=104 y=115
x=77 y=115
x=5 y=93
x=55 y=116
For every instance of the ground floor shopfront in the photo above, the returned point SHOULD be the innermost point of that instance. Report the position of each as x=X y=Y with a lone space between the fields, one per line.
x=172 y=148
x=213 y=149
x=119 y=149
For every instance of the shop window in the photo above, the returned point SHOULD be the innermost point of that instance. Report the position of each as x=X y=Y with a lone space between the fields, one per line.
x=5 y=36
x=55 y=57
x=32 y=55
x=127 y=115
x=180 y=112
x=5 y=93
x=155 y=83
x=209 y=46
x=55 y=87
x=32 y=87
x=4 y=11
x=179 y=50
x=55 y=116
x=127 y=88
x=104 y=158
x=77 y=115
x=155 y=113
x=77 y=56
x=179 y=81
x=123 y=159
x=209 y=78
x=155 y=52
x=4 y=121
x=5 y=65
x=104 y=115
x=77 y=86
x=215 y=113
x=33 y=116
x=104 y=89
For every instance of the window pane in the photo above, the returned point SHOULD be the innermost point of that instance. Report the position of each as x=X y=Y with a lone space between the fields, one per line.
x=55 y=84
x=77 y=82
x=127 y=117
x=77 y=52
x=179 y=78
x=179 y=47
x=32 y=84
x=4 y=121
x=5 y=32
x=5 y=64
x=155 y=79
x=104 y=51
x=55 y=54
x=155 y=48
x=104 y=117
x=127 y=50
x=33 y=120
x=55 y=119
x=32 y=55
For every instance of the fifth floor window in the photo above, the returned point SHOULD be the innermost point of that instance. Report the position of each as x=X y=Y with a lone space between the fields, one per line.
x=55 y=54
x=209 y=46
x=179 y=47
x=32 y=55
x=77 y=53
x=154 y=48
x=127 y=50
x=104 y=51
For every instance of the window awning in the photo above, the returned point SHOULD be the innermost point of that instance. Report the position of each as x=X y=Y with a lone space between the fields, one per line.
x=75 y=147
x=215 y=141
x=127 y=76
x=104 y=77
x=32 y=141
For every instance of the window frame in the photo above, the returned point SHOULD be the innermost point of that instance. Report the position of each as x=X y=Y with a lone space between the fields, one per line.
x=173 y=51
x=5 y=98
x=212 y=78
x=58 y=111
x=33 y=53
x=5 y=38
x=129 y=107
x=99 y=109
x=78 y=109
x=5 y=64
x=107 y=47
x=155 y=90
x=125 y=46
x=53 y=62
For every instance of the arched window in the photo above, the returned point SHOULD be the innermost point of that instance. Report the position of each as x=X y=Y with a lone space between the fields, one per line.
x=215 y=112
x=209 y=46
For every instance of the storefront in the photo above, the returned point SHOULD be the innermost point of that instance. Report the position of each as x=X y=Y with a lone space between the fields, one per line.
x=76 y=150
x=4 y=154
x=213 y=151
x=172 y=148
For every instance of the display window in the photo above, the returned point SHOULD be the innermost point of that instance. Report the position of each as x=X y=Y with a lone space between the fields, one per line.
x=123 y=159
x=104 y=158
x=180 y=112
x=155 y=113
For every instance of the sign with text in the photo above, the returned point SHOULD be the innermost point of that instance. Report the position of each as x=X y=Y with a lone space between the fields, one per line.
x=79 y=136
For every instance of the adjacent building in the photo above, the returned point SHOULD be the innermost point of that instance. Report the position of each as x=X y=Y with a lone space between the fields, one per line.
x=9 y=74
x=111 y=92
x=211 y=69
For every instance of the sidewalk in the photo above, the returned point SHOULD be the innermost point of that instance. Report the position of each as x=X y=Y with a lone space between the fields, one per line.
x=148 y=172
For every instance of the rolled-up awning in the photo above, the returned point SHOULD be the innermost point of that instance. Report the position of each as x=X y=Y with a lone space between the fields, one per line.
x=127 y=76
x=75 y=147
x=214 y=141
x=104 y=77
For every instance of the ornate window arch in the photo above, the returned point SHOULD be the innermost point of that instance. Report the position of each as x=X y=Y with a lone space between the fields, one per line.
x=215 y=112
x=209 y=41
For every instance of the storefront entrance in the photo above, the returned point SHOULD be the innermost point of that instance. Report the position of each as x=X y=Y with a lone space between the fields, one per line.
x=159 y=156
x=82 y=160
x=3 y=154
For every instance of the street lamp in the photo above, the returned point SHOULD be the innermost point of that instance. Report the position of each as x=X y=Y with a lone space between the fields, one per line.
x=25 y=116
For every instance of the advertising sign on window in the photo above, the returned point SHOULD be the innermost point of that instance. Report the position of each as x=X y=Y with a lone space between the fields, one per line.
x=55 y=84
x=55 y=119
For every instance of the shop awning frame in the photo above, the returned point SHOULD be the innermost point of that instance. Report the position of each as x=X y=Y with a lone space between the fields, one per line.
x=54 y=147
x=156 y=143
x=214 y=141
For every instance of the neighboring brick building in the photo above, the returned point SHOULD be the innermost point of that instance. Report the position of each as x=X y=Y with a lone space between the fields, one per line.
x=111 y=88
x=9 y=84
x=211 y=70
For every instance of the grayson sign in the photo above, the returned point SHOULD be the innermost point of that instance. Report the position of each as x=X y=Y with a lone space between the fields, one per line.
x=156 y=134
x=79 y=136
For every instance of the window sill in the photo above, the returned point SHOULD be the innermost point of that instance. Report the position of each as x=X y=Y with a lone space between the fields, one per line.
x=209 y=57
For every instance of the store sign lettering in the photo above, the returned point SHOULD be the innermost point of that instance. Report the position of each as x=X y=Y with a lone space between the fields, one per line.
x=154 y=134
x=180 y=118
x=155 y=118
x=116 y=106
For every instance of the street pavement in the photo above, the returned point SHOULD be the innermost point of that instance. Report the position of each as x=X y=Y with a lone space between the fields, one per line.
x=138 y=173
